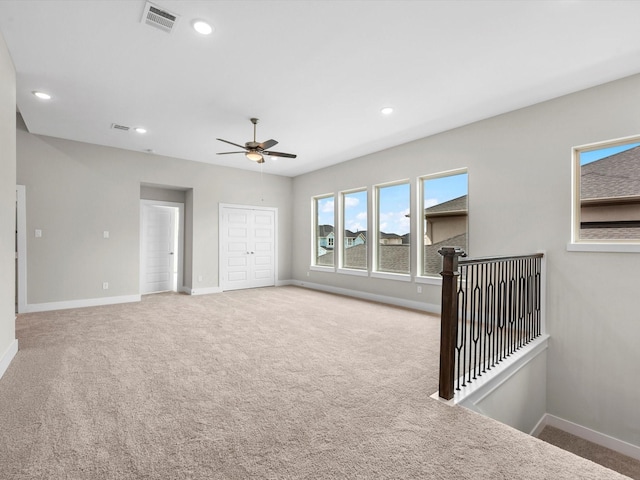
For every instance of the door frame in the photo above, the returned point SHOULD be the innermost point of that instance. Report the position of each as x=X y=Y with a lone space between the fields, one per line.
x=222 y=268
x=180 y=246
x=21 y=239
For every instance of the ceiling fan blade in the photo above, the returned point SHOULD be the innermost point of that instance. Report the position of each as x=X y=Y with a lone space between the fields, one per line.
x=229 y=153
x=268 y=144
x=280 y=154
x=230 y=143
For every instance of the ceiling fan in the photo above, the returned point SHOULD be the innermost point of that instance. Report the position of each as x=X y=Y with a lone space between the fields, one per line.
x=256 y=151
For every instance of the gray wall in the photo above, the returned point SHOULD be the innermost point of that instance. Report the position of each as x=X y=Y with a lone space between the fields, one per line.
x=7 y=198
x=75 y=191
x=520 y=202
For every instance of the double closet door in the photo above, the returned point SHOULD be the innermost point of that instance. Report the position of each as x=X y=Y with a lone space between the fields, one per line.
x=247 y=247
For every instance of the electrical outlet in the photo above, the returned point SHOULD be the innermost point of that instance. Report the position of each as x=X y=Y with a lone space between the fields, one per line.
x=105 y=285
x=419 y=289
x=199 y=278
x=307 y=274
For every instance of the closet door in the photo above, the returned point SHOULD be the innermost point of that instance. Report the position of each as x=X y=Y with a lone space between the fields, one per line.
x=247 y=254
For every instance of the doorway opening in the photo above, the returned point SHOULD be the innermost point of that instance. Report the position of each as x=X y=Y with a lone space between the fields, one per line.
x=161 y=246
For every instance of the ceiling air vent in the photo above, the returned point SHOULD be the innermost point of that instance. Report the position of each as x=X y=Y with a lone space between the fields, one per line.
x=159 y=18
x=119 y=127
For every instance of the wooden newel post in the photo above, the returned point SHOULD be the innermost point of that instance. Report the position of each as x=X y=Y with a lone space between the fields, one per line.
x=449 y=318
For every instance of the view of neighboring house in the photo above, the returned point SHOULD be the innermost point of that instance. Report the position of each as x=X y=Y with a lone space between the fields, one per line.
x=394 y=249
x=351 y=239
x=445 y=220
x=609 y=197
x=326 y=239
x=390 y=239
x=445 y=226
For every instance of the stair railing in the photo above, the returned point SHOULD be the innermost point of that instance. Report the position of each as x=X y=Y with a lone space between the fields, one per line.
x=491 y=307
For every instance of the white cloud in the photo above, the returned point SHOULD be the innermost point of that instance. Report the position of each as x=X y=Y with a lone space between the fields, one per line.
x=430 y=202
x=395 y=222
x=350 y=202
x=327 y=207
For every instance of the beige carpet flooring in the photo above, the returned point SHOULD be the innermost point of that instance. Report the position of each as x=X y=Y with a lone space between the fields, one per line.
x=273 y=383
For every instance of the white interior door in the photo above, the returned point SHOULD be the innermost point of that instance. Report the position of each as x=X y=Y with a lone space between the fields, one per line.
x=247 y=248
x=158 y=252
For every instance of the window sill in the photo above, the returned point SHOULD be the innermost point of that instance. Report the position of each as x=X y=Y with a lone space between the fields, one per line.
x=353 y=271
x=318 y=268
x=403 y=277
x=604 y=247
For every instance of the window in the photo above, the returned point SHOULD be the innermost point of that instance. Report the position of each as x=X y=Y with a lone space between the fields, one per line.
x=392 y=252
x=606 y=203
x=324 y=221
x=444 y=220
x=354 y=231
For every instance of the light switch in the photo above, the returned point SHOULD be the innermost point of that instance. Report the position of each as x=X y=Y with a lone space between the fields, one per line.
x=105 y=234
x=38 y=233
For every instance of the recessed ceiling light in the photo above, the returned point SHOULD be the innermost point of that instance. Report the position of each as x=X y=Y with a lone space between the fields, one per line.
x=140 y=130
x=42 y=95
x=386 y=110
x=202 y=27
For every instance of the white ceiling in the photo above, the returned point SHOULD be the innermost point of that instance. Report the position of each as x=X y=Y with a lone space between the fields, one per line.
x=316 y=73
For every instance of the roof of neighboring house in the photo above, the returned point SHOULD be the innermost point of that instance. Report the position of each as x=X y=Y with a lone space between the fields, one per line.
x=389 y=235
x=433 y=260
x=393 y=258
x=613 y=176
x=626 y=233
x=356 y=256
x=454 y=206
x=350 y=234
x=324 y=230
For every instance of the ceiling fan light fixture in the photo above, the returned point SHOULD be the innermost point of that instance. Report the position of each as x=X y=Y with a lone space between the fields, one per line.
x=254 y=156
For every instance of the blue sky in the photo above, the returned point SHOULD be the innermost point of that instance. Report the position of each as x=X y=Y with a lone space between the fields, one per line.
x=593 y=155
x=443 y=189
x=394 y=204
x=355 y=211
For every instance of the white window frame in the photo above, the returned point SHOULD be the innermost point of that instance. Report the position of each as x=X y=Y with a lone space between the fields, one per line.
x=419 y=223
x=314 y=230
x=375 y=242
x=587 y=245
x=341 y=220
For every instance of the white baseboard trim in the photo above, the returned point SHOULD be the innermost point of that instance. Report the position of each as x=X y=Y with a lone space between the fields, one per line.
x=426 y=307
x=88 y=302
x=204 y=291
x=588 y=434
x=7 y=357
